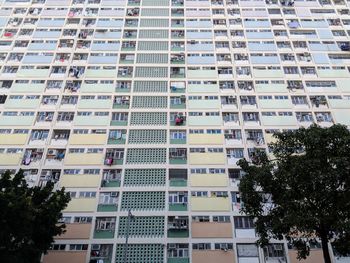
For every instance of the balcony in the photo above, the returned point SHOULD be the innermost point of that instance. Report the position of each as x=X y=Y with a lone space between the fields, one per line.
x=117 y=137
x=127 y=58
x=111 y=178
x=114 y=157
x=123 y=86
x=178 y=201
x=101 y=252
x=108 y=202
x=177 y=156
x=177 y=177
x=178 y=227
x=178 y=102
x=233 y=137
x=230 y=118
x=177 y=72
x=60 y=137
x=119 y=119
x=32 y=157
x=178 y=253
x=177 y=87
x=121 y=102
x=104 y=227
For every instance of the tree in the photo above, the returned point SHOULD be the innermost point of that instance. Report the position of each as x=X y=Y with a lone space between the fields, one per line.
x=307 y=180
x=29 y=218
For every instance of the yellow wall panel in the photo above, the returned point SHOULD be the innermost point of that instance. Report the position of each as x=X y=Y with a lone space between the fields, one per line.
x=13 y=139
x=207 y=180
x=83 y=159
x=10 y=159
x=80 y=180
x=89 y=139
x=206 y=139
x=207 y=158
x=210 y=204
x=82 y=205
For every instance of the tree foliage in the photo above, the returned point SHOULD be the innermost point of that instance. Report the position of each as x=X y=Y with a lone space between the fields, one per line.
x=307 y=178
x=29 y=218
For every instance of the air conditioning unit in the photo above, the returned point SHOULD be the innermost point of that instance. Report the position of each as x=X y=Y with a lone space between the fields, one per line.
x=95 y=247
x=114 y=194
x=172 y=246
x=278 y=247
x=52 y=152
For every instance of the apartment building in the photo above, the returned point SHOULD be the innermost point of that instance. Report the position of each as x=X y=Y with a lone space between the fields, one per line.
x=146 y=105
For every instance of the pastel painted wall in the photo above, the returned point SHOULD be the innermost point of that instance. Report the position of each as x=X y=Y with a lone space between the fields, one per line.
x=82 y=205
x=207 y=158
x=65 y=256
x=211 y=204
x=83 y=159
x=211 y=230
x=210 y=256
x=13 y=139
x=80 y=180
x=87 y=139
x=76 y=231
x=209 y=180
x=10 y=159
x=205 y=139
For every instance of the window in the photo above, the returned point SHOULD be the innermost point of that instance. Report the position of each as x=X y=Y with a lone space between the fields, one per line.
x=87 y=194
x=83 y=219
x=201 y=246
x=58 y=247
x=200 y=218
x=247 y=250
x=223 y=246
x=274 y=251
x=221 y=219
x=178 y=135
x=78 y=247
x=243 y=222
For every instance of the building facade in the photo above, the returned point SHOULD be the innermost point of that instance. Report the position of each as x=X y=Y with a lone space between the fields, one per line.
x=146 y=105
